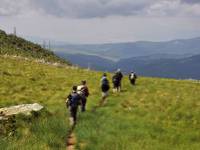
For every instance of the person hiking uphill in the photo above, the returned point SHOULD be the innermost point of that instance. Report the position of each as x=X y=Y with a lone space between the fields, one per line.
x=132 y=78
x=72 y=102
x=84 y=93
x=117 y=81
x=104 y=88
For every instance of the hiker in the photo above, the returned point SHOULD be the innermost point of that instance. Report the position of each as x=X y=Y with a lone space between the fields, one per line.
x=84 y=93
x=72 y=102
x=132 y=77
x=104 y=87
x=116 y=79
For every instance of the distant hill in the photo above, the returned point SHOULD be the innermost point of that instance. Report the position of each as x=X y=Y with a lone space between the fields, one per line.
x=179 y=68
x=91 y=61
x=175 y=48
x=13 y=45
x=182 y=68
x=171 y=59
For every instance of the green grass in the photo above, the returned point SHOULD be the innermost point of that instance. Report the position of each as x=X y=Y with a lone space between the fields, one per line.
x=17 y=46
x=155 y=114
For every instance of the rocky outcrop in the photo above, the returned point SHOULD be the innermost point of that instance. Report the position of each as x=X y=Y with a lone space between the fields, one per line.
x=25 y=109
x=8 y=119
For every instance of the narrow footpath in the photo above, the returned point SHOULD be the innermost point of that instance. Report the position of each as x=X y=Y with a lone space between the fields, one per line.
x=71 y=138
x=71 y=141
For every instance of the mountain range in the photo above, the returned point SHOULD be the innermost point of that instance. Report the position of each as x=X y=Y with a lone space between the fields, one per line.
x=117 y=51
x=171 y=59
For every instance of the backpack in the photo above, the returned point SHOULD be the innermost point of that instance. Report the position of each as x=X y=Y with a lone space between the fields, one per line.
x=105 y=81
x=114 y=79
x=105 y=85
x=83 y=90
x=73 y=100
x=133 y=76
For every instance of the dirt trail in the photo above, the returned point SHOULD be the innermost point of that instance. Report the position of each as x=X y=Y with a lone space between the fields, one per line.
x=71 y=138
x=71 y=141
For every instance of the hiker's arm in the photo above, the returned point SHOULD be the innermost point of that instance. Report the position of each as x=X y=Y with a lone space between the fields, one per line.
x=88 y=93
x=68 y=100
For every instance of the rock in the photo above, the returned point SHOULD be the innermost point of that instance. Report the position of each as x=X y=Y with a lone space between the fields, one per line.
x=7 y=116
x=25 y=109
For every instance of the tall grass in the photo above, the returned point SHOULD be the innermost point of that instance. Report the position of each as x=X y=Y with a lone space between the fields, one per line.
x=154 y=114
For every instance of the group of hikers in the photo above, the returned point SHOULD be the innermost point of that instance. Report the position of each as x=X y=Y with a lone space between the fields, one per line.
x=79 y=94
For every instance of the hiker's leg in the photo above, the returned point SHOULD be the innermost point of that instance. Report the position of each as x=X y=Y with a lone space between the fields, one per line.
x=114 y=89
x=75 y=115
x=103 y=98
x=71 y=121
x=118 y=87
x=71 y=117
x=103 y=101
x=133 y=81
x=84 y=100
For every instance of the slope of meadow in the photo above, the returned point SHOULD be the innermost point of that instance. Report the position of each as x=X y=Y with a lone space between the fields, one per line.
x=17 y=46
x=28 y=82
x=155 y=114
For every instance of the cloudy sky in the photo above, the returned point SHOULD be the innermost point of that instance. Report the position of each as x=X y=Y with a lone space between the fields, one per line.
x=102 y=21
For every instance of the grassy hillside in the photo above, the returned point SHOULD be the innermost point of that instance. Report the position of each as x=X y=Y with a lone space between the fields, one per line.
x=155 y=114
x=13 y=45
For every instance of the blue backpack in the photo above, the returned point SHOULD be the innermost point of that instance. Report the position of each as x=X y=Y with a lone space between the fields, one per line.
x=74 y=99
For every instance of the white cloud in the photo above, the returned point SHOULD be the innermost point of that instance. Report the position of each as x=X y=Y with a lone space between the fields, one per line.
x=164 y=8
x=99 y=21
x=191 y=10
x=14 y=7
x=99 y=8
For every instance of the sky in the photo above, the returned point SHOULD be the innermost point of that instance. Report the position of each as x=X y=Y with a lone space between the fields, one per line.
x=102 y=21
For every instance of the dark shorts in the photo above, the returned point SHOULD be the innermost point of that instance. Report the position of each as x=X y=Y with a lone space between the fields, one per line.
x=116 y=84
x=105 y=88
